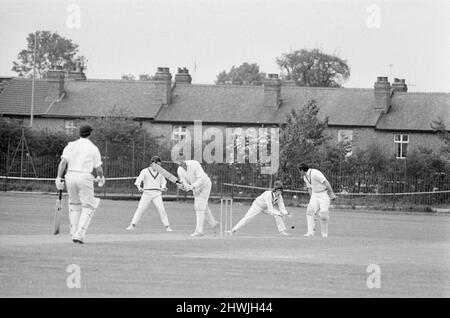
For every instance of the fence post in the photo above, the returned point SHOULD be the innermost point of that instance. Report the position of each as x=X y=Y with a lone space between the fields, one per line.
x=106 y=165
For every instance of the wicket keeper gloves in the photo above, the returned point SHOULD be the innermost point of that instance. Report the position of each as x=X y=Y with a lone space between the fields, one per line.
x=101 y=181
x=59 y=184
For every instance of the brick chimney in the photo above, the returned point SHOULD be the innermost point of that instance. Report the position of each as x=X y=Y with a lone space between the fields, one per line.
x=382 y=90
x=55 y=77
x=272 y=91
x=163 y=82
x=399 y=85
x=182 y=76
x=76 y=73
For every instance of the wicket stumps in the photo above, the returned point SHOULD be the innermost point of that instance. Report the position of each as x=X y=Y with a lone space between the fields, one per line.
x=226 y=215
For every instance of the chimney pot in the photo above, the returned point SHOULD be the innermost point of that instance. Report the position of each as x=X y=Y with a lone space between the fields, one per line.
x=183 y=76
x=382 y=79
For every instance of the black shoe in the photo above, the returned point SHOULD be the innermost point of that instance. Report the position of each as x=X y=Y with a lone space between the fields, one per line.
x=78 y=241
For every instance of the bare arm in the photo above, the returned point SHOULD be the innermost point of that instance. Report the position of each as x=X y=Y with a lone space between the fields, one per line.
x=99 y=171
x=61 y=167
x=330 y=190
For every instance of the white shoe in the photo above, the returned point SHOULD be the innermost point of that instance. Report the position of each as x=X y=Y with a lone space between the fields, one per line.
x=308 y=234
x=196 y=234
x=325 y=235
x=284 y=233
x=130 y=227
x=168 y=229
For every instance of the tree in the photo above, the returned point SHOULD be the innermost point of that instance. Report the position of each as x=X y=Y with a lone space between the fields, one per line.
x=145 y=77
x=302 y=136
x=128 y=77
x=313 y=68
x=125 y=138
x=245 y=74
x=51 y=50
x=438 y=126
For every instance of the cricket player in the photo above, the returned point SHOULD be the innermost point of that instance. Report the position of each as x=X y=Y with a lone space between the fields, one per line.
x=267 y=202
x=321 y=193
x=154 y=185
x=81 y=157
x=194 y=178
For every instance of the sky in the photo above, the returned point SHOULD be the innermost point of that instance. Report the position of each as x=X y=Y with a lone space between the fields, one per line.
x=397 y=38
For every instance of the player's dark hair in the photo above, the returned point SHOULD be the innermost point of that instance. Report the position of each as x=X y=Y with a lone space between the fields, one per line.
x=85 y=130
x=155 y=159
x=278 y=185
x=303 y=166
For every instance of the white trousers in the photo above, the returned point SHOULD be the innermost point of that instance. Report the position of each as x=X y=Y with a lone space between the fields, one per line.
x=82 y=203
x=254 y=210
x=318 y=206
x=201 y=207
x=319 y=203
x=147 y=198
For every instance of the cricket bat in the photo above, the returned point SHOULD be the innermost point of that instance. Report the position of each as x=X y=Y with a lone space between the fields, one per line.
x=58 y=212
x=165 y=173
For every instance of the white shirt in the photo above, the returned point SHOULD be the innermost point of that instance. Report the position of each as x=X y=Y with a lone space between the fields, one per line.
x=82 y=156
x=152 y=179
x=265 y=201
x=194 y=175
x=315 y=180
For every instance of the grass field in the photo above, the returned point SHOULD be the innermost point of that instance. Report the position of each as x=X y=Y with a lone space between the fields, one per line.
x=412 y=251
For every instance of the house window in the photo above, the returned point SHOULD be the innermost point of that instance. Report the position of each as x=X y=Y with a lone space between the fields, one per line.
x=178 y=132
x=345 y=138
x=70 y=126
x=401 y=145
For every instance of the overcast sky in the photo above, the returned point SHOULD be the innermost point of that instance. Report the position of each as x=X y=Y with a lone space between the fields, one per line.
x=207 y=37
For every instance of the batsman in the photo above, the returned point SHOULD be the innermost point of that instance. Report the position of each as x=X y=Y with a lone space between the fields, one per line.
x=321 y=193
x=194 y=178
x=81 y=157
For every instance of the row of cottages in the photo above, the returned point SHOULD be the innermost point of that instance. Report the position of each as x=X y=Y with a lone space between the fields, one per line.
x=167 y=107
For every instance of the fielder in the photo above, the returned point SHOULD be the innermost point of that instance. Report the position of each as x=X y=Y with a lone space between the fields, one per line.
x=194 y=178
x=154 y=185
x=81 y=157
x=266 y=203
x=321 y=194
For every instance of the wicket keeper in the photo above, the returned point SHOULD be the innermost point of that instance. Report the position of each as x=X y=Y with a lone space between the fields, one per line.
x=266 y=203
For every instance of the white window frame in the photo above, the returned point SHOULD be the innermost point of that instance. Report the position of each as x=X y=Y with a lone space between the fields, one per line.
x=70 y=126
x=179 y=132
x=401 y=142
x=346 y=134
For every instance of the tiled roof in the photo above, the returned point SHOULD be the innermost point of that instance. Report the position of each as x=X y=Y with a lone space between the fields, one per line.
x=16 y=97
x=215 y=103
x=225 y=103
x=343 y=106
x=245 y=104
x=416 y=111
x=98 y=97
